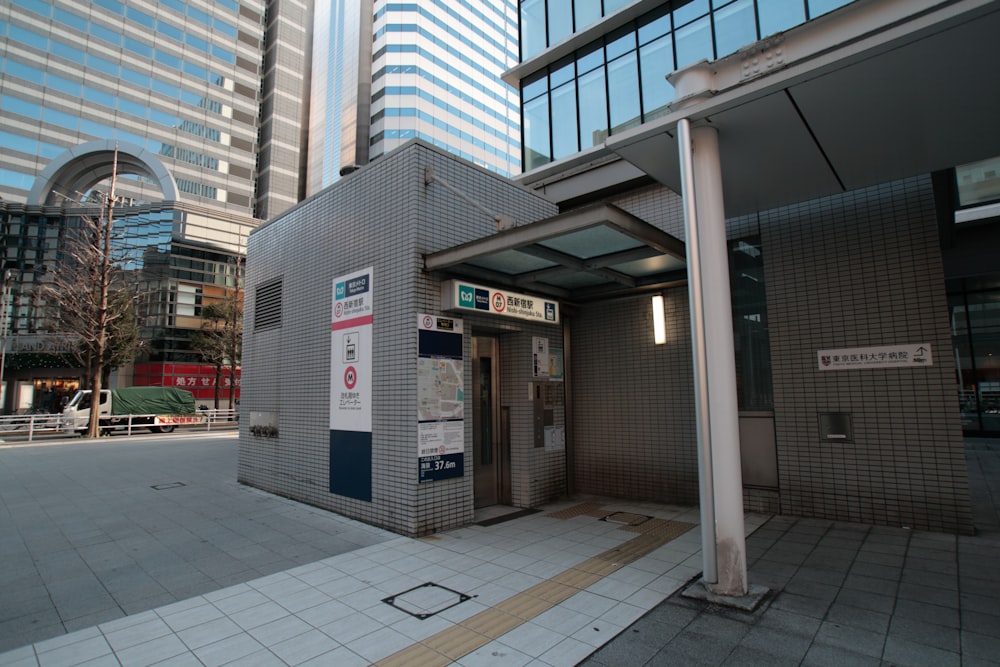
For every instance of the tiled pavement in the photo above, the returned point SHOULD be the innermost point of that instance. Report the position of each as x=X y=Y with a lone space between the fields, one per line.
x=846 y=594
x=553 y=587
x=94 y=531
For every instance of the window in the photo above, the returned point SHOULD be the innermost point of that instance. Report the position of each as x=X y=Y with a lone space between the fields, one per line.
x=620 y=79
x=536 y=132
x=978 y=182
x=560 y=20
x=975 y=312
x=734 y=27
x=779 y=15
x=593 y=109
x=188 y=300
x=623 y=92
x=586 y=12
x=750 y=331
x=532 y=27
x=694 y=42
x=819 y=7
x=21 y=71
x=656 y=60
x=564 y=132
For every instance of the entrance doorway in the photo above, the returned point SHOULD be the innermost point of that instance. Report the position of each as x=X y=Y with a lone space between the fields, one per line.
x=489 y=448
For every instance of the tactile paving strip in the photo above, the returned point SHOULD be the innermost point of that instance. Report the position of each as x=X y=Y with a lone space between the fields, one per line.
x=583 y=509
x=452 y=644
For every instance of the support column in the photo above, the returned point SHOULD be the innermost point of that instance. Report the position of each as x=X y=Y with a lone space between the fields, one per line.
x=715 y=358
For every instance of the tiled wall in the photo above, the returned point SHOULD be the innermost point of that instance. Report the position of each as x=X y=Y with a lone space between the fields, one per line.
x=856 y=270
x=383 y=216
x=633 y=401
x=864 y=269
x=861 y=269
x=537 y=475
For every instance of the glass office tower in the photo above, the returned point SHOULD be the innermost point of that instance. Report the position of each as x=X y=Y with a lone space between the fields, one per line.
x=179 y=79
x=429 y=70
x=202 y=103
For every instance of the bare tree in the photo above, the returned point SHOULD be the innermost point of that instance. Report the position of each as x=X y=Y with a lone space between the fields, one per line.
x=220 y=342
x=90 y=300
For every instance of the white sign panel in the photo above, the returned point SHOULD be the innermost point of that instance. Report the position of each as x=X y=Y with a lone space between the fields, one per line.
x=885 y=356
x=460 y=295
x=351 y=353
x=539 y=357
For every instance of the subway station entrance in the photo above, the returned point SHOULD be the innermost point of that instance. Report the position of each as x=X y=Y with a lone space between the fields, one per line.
x=490 y=445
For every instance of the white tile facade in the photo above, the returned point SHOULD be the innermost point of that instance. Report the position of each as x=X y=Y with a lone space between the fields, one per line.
x=859 y=269
x=383 y=216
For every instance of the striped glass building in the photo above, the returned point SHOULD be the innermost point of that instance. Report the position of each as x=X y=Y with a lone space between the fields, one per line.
x=429 y=70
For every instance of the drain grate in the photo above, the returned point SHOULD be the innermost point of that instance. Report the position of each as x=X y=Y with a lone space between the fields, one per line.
x=169 y=485
x=426 y=600
x=506 y=517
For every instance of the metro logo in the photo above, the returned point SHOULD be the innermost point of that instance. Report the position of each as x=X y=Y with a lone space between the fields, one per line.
x=341 y=290
x=466 y=296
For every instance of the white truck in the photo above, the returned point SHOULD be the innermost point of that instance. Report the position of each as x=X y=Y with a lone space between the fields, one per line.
x=161 y=409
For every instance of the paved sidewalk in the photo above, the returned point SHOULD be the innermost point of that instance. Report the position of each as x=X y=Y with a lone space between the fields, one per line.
x=94 y=531
x=593 y=582
x=846 y=594
x=548 y=588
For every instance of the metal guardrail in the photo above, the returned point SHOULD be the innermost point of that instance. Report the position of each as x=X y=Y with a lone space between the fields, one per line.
x=25 y=427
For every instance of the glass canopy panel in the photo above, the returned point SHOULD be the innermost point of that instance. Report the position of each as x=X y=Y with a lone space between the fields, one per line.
x=650 y=266
x=575 y=280
x=592 y=242
x=511 y=262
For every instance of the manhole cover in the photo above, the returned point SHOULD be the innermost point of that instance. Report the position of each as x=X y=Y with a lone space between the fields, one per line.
x=425 y=600
x=626 y=518
x=169 y=485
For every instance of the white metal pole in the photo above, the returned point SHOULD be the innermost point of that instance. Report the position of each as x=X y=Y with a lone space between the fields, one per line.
x=720 y=358
x=702 y=408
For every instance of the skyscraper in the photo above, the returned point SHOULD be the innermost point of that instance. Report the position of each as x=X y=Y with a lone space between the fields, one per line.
x=206 y=104
x=189 y=81
x=429 y=70
x=168 y=96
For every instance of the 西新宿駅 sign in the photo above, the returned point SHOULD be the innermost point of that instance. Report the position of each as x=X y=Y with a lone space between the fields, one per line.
x=460 y=295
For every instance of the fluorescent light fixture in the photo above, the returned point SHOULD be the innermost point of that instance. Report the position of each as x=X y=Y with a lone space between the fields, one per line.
x=659 y=321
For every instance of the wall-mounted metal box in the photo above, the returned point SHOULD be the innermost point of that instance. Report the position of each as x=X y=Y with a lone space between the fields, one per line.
x=836 y=426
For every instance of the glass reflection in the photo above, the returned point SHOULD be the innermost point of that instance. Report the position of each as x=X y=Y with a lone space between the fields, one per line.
x=975 y=322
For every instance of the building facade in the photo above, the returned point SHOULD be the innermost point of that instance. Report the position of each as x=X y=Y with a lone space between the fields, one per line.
x=429 y=70
x=206 y=105
x=178 y=79
x=794 y=145
x=174 y=257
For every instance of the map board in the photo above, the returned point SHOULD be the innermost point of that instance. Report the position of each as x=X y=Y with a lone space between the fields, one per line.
x=440 y=398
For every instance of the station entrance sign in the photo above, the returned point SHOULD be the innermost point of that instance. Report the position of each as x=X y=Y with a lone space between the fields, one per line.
x=351 y=384
x=462 y=296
